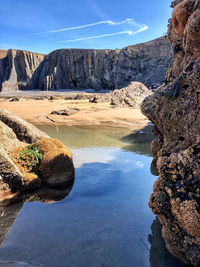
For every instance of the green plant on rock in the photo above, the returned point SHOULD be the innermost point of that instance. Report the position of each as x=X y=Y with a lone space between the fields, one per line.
x=31 y=154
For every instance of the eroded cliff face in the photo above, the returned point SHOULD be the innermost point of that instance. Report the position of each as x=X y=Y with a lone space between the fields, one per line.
x=175 y=112
x=86 y=68
x=17 y=68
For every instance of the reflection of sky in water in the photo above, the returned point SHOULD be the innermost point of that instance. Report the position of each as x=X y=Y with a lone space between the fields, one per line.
x=104 y=155
x=105 y=221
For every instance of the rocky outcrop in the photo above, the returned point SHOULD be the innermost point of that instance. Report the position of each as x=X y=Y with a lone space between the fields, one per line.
x=130 y=96
x=30 y=159
x=17 y=67
x=86 y=68
x=175 y=112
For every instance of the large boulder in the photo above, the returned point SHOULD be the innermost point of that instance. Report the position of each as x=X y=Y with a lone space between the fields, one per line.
x=175 y=112
x=56 y=167
x=30 y=159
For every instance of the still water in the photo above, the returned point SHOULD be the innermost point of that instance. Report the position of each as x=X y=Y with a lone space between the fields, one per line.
x=105 y=220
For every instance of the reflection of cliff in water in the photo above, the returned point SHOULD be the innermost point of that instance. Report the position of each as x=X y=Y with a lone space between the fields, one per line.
x=77 y=137
x=139 y=141
x=159 y=255
x=7 y=218
x=8 y=214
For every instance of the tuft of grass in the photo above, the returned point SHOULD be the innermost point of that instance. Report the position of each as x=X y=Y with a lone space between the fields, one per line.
x=32 y=155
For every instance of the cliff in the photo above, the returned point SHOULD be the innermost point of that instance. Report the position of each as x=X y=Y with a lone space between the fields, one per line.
x=175 y=112
x=86 y=68
x=17 y=68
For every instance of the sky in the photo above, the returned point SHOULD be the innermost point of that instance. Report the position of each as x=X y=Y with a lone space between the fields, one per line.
x=45 y=25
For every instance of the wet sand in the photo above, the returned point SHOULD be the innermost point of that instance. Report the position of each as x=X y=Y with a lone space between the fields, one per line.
x=39 y=112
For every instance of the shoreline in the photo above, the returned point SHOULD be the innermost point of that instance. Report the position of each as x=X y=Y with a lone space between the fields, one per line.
x=38 y=111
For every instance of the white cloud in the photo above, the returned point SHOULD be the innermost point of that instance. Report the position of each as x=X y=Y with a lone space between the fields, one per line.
x=97 y=36
x=108 y=22
x=131 y=23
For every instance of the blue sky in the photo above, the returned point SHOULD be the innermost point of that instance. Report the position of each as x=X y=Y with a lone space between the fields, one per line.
x=45 y=25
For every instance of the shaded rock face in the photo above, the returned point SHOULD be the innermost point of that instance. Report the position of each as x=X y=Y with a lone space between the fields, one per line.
x=17 y=68
x=86 y=68
x=24 y=167
x=175 y=111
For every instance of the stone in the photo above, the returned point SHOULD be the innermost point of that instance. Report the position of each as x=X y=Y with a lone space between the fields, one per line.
x=24 y=131
x=65 y=112
x=56 y=167
x=130 y=96
x=50 y=162
x=15 y=99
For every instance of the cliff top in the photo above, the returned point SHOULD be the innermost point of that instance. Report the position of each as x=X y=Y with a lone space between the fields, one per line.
x=136 y=47
x=3 y=53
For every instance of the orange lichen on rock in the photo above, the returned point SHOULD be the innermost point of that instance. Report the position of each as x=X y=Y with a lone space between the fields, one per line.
x=56 y=167
x=180 y=16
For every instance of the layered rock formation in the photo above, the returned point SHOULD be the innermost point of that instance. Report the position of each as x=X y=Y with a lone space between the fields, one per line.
x=175 y=111
x=86 y=68
x=17 y=67
x=30 y=159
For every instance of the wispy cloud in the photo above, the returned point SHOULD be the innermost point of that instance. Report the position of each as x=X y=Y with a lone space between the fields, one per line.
x=108 y=22
x=144 y=28
x=129 y=21
x=105 y=35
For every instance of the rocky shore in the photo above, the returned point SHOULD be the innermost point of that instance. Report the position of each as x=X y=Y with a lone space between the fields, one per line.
x=175 y=113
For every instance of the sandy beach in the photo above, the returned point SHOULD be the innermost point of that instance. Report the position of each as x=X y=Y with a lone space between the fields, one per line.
x=39 y=112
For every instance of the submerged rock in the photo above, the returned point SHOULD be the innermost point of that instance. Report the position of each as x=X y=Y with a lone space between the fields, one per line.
x=30 y=159
x=175 y=112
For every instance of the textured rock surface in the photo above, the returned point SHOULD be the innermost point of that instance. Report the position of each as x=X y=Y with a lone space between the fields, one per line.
x=56 y=167
x=17 y=172
x=24 y=131
x=175 y=111
x=130 y=96
x=17 y=69
x=84 y=68
x=65 y=112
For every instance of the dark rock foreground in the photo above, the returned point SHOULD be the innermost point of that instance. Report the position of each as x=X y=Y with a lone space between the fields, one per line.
x=174 y=110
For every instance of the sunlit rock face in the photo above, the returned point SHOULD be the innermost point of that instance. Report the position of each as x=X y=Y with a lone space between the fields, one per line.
x=175 y=112
x=85 y=68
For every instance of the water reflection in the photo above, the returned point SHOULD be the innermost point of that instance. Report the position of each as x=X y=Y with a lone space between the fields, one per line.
x=47 y=195
x=105 y=220
x=139 y=141
x=101 y=136
x=159 y=255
